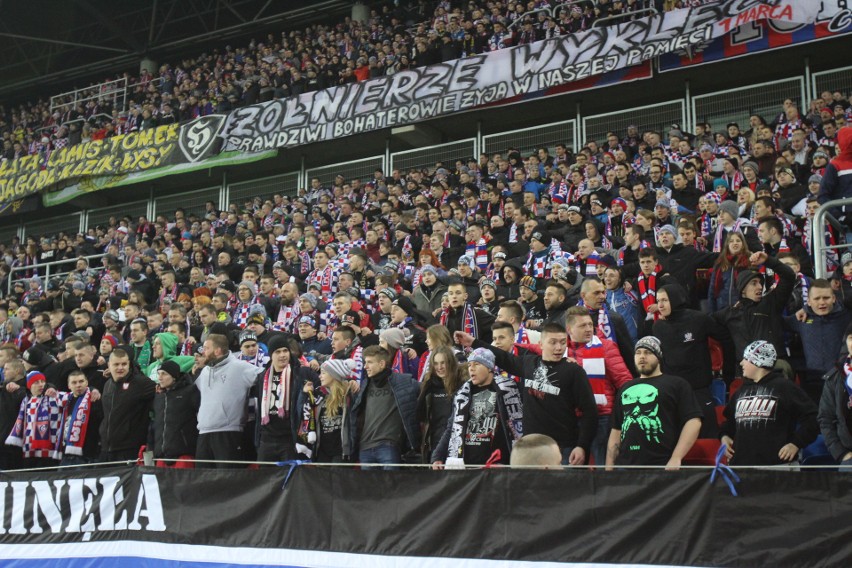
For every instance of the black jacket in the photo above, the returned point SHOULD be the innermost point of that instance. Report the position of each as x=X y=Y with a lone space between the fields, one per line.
x=681 y=263
x=10 y=405
x=748 y=321
x=834 y=414
x=175 y=431
x=484 y=321
x=127 y=404
x=622 y=337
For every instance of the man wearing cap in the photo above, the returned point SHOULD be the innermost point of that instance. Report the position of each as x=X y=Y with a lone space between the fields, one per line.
x=37 y=359
x=655 y=418
x=791 y=190
x=470 y=276
x=533 y=305
x=758 y=315
x=277 y=389
x=555 y=392
x=488 y=300
x=769 y=419
x=251 y=351
x=487 y=418
x=681 y=262
x=37 y=428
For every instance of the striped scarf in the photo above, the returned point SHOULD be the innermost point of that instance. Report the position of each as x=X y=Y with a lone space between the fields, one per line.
x=508 y=390
x=648 y=289
x=75 y=423
x=325 y=278
x=282 y=394
x=469 y=324
x=605 y=329
x=241 y=312
x=479 y=251
x=37 y=428
x=558 y=193
x=287 y=316
x=722 y=232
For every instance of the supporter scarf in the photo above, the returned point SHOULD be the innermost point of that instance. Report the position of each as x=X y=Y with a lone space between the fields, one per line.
x=513 y=233
x=407 y=249
x=722 y=232
x=323 y=277
x=648 y=289
x=36 y=430
x=286 y=317
x=605 y=328
x=558 y=193
x=75 y=424
x=508 y=390
x=522 y=336
x=479 y=251
x=242 y=312
x=282 y=393
x=500 y=372
x=468 y=319
x=171 y=295
x=306 y=262
x=398 y=365
x=708 y=223
x=805 y=283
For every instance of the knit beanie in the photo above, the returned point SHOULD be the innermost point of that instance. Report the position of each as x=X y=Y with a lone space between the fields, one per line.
x=33 y=377
x=761 y=354
x=394 y=337
x=652 y=344
x=278 y=341
x=339 y=369
x=731 y=208
x=171 y=368
x=483 y=357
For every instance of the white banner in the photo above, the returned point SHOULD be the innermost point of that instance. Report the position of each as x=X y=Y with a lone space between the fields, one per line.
x=464 y=84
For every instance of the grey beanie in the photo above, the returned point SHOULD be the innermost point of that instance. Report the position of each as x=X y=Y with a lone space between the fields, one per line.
x=339 y=369
x=652 y=344
x=394 y=337
x=483 y=357
x=730 y=207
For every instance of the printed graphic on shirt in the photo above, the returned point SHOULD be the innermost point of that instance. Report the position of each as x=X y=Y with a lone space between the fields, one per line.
x=641 y=409
x=331 y=424
x=483 y=419
x=757 y=409
x=540 y=384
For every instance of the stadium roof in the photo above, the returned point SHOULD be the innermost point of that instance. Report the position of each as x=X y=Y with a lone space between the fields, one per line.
x=68 y=44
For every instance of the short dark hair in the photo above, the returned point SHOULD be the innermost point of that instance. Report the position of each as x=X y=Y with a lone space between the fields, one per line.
x=378 y=352
x=502 y=325
x=573 y=313
x=553 y=327
x=773 y=222
x=515 y=307
x=346 y=331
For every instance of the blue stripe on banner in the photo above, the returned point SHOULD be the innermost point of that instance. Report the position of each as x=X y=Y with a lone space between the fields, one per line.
x=127 y=554
x=127 y=561
x=806 y=33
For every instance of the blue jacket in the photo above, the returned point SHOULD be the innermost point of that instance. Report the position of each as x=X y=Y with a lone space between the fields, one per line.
x=822 y=337
x=728 y=293
x=405 y=391
x=627 y=307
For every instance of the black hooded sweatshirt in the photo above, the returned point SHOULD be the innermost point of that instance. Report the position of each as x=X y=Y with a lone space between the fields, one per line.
x=684 y=334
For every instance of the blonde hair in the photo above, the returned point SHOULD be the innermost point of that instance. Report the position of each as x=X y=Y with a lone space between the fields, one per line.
x=337 y=392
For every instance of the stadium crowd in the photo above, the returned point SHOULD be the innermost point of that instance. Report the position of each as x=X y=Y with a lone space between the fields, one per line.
x=398 y=36
x=438 y=315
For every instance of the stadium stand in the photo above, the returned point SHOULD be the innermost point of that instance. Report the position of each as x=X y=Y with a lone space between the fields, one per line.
x=341 y=280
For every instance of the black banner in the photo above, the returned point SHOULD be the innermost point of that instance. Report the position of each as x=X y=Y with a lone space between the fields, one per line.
x=785 y=518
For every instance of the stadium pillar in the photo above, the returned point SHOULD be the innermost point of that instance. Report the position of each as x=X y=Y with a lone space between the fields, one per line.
x=360 y=12
x=148 y=64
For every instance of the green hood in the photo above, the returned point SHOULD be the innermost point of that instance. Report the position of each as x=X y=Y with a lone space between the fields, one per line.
x=169 y=342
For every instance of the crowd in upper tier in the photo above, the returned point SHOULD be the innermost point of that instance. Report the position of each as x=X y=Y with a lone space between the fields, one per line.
x=440 y=314
x=397 y=36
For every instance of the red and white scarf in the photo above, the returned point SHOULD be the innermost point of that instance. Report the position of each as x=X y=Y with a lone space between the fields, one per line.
x=282 y=394
x=468 y=319
x=648 y=289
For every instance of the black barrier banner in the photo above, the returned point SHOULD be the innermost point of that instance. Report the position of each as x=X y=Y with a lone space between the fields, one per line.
x=498 y=77
x=111 y=159
x=344 y=517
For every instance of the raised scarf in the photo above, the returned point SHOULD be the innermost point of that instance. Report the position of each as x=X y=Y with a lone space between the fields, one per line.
x=468 y=319
x=37 y=428
x=282 y=393
x=648 y=289
x=508 y=390
x=75 y=424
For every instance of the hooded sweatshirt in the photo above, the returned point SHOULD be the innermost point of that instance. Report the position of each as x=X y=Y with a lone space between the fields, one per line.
x=169 y=343
x=684 y=334
x=837 y=179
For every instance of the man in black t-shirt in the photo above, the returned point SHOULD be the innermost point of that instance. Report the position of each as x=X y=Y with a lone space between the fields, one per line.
x=655 y=418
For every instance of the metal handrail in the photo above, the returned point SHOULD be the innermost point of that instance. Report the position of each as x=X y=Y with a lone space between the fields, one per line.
x=46 y=266
x=57 y=101
x=524 y=16
x=818 y=236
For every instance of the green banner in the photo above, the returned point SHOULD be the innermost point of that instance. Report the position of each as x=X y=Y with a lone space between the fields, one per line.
x=92 y=184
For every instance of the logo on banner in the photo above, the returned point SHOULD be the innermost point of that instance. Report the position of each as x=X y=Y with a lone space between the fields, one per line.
x=199 y=136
